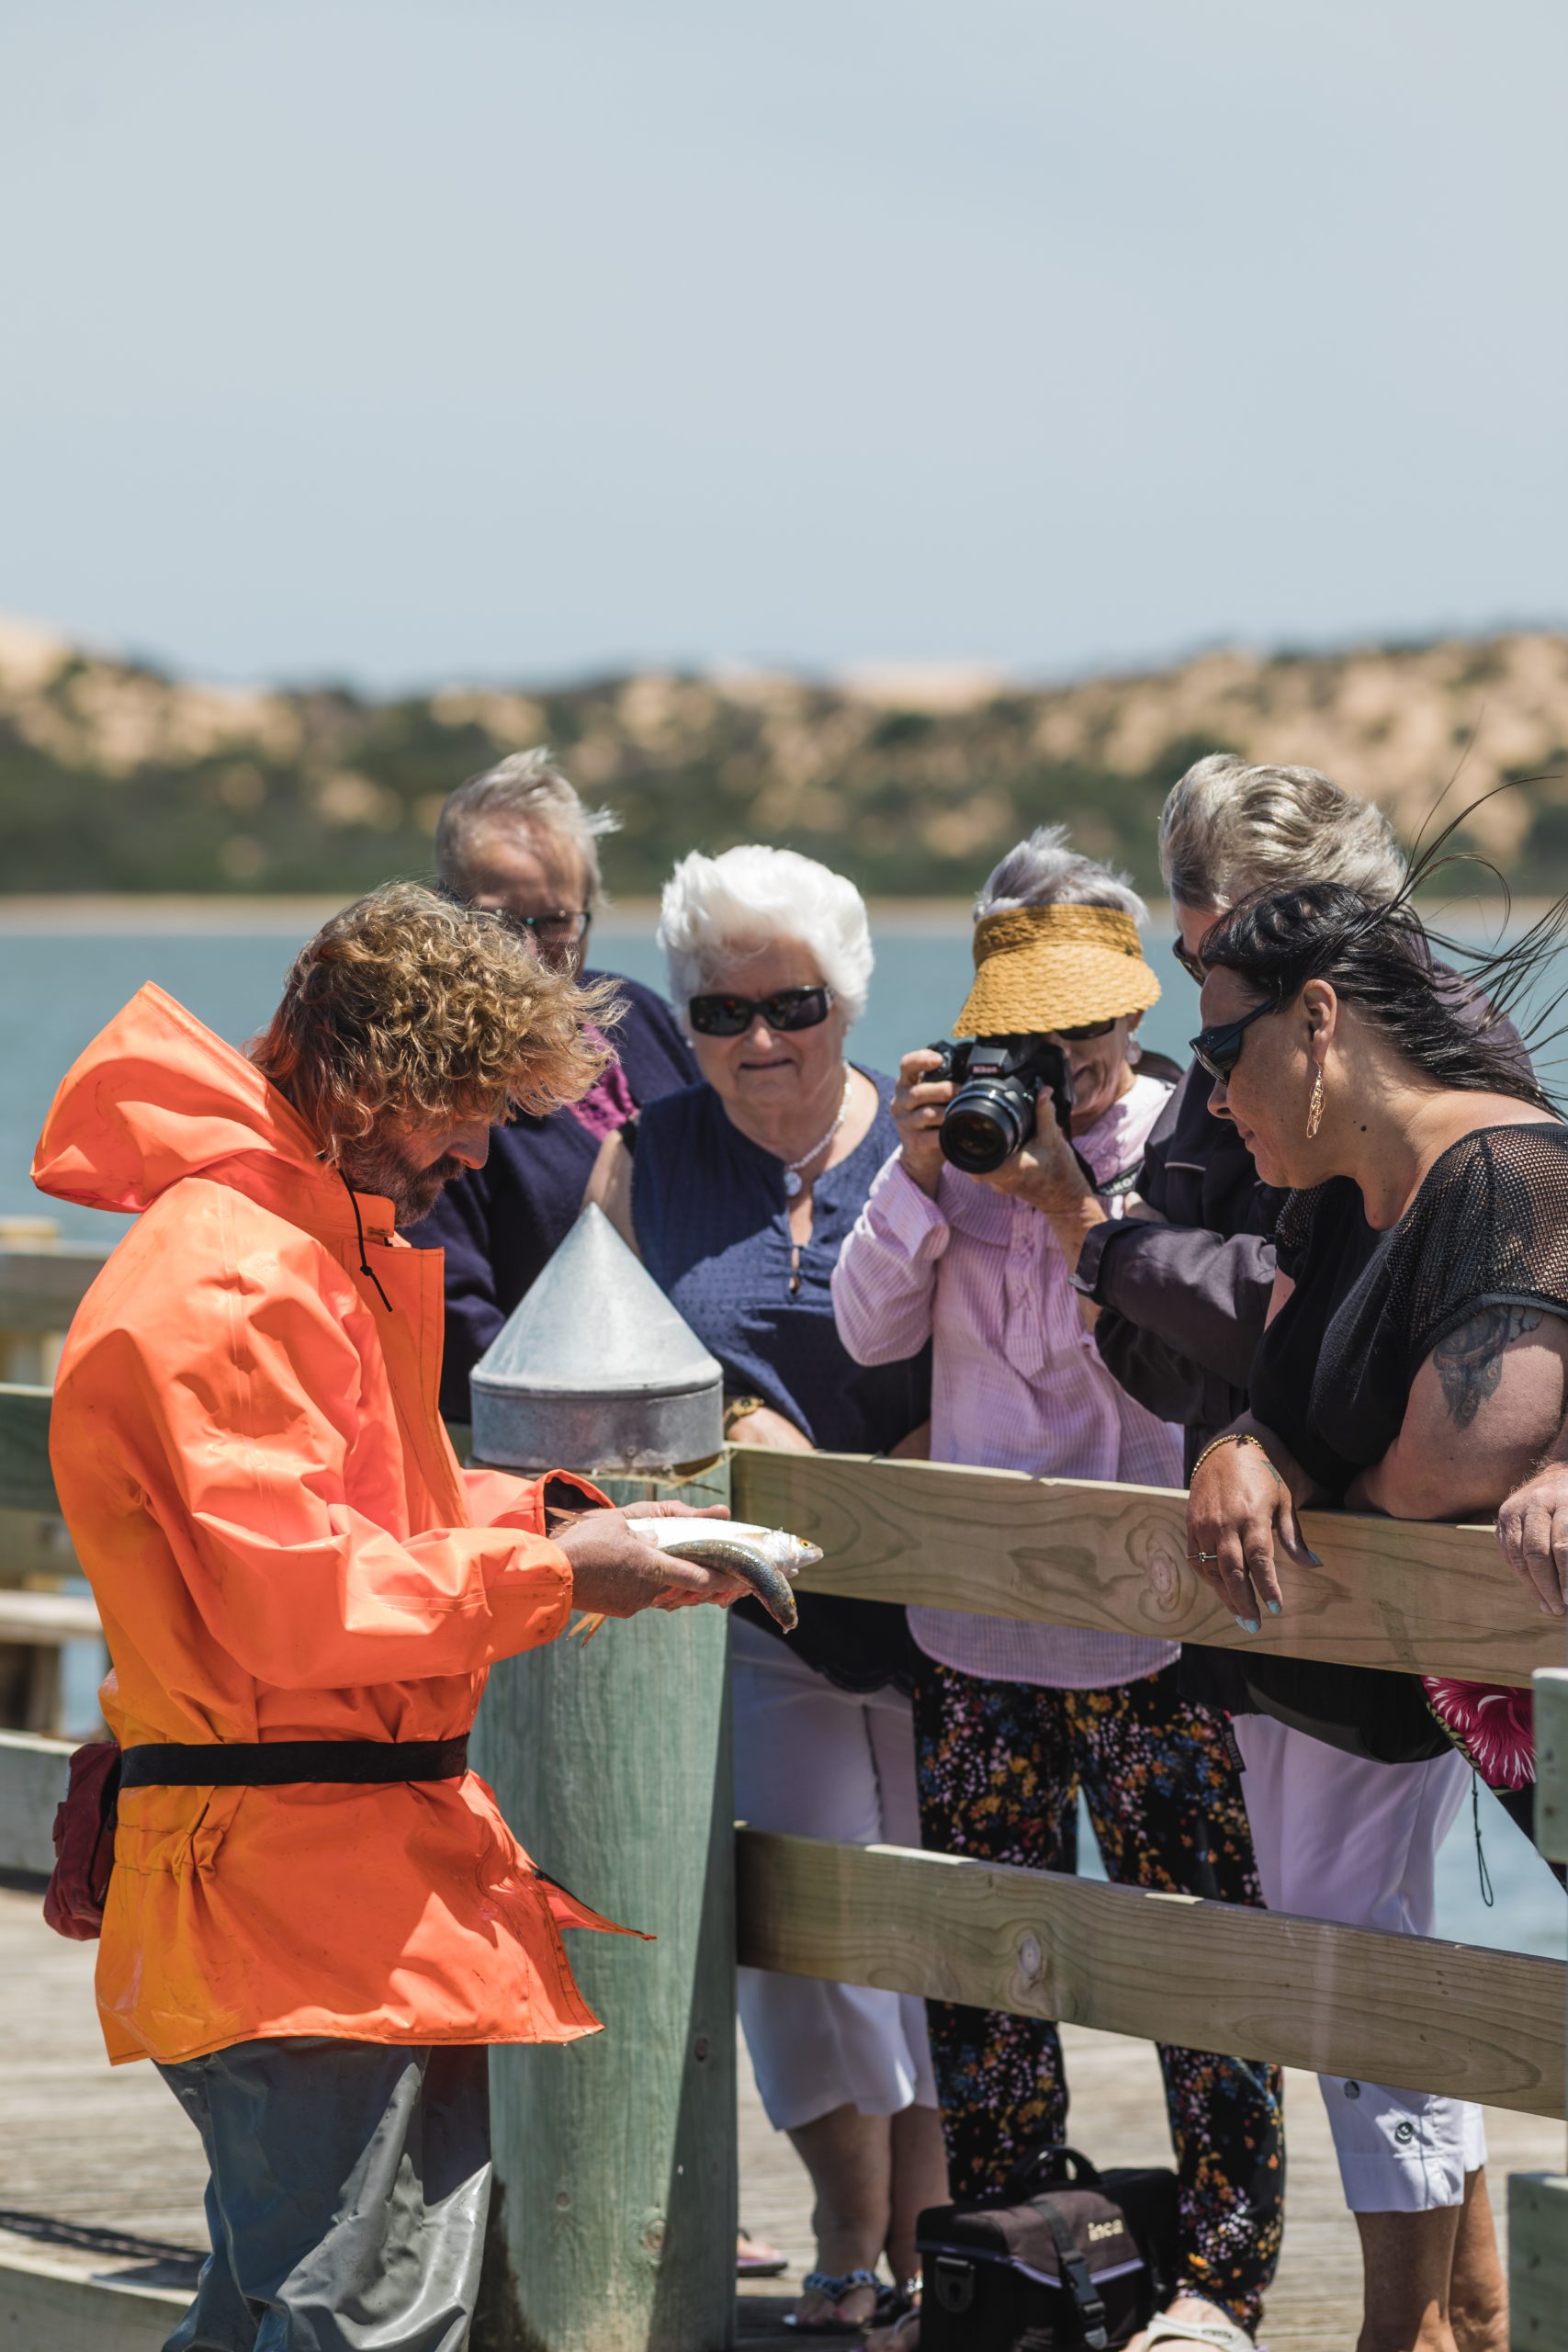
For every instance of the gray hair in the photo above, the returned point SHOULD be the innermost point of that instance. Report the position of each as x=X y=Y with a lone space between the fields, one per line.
x=1043 y=872
x=718 y=910
x=1228 y=829
x=525 y=788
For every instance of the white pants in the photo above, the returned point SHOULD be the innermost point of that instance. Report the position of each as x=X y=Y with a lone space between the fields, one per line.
x=823 y=1762
x=1340 y=1838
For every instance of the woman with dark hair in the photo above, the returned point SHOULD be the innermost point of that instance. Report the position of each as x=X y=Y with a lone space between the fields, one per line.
x=1416 y=1362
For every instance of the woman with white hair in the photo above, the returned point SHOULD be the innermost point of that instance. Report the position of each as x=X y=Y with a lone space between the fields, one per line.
x=517 y=842
x=1012 y=1720
x=737 y=1193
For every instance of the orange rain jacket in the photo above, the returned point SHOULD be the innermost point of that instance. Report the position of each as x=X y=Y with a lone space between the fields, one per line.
x=283 y=1546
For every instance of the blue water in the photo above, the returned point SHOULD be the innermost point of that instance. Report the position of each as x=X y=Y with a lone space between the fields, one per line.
x=59 y=987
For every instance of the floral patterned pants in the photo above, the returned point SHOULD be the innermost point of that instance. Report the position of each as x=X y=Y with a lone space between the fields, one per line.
x=1000 y=1767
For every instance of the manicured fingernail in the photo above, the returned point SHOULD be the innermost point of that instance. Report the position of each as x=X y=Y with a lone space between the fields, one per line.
x=1313 y=1558
x=1274 y=1608
x=1247 y=1625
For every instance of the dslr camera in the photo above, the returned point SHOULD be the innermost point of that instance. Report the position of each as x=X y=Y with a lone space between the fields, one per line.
x=992 y=1115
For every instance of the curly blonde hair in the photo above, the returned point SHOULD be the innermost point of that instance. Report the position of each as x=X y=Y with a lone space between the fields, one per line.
x=408 y=1008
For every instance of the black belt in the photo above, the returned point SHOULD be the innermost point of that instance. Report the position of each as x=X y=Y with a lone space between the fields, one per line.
x=270 y=1764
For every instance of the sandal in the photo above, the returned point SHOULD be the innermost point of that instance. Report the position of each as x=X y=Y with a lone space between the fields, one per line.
x=754 y=2258
x=904 y=2335
x=823 y=2282
x=1222 y=2333
x=892 y=2302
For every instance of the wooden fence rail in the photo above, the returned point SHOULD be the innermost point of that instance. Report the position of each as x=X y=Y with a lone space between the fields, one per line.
x=1439 y=2017
x=1409 y=1597
x=27 y=1482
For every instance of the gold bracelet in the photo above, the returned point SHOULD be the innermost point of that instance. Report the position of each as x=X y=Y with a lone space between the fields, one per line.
x=738 y=1409
x=1231 y=1437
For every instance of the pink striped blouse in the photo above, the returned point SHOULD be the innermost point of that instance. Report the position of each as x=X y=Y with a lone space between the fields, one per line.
x=1018 y=1383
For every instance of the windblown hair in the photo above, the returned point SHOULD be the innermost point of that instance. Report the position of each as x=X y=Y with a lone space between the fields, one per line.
x=1045 y=872
x=1378 y=956
x=718 y=910
x=525 y=788
x=406 y=1007
x=1228 y=830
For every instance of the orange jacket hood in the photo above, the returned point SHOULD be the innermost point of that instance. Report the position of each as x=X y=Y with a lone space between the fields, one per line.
x=156 y=1097
x=248 y=1452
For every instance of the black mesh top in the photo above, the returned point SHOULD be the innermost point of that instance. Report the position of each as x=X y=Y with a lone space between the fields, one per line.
x=1488 y=1226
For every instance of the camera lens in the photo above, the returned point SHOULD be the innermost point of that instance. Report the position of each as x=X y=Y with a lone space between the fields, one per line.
x=985 y=1124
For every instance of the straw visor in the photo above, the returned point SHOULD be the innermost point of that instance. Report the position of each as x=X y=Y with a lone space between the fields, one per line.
x=1055 y=967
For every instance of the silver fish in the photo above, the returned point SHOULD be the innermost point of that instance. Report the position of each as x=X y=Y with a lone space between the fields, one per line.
x=765 y=1558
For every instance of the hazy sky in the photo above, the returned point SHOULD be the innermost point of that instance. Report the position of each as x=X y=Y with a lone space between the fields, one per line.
x=484 y=338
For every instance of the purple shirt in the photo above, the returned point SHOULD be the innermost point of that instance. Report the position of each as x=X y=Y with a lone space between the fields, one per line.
x=609 y=1102
x=1017 y=1382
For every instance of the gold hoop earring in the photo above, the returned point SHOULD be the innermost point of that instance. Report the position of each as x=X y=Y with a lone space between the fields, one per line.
x=1314 y=1108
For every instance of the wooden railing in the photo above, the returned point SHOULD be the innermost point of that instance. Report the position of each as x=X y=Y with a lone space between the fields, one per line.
x=1402 y=1595
x=41 y=1280
x=1390 y=1595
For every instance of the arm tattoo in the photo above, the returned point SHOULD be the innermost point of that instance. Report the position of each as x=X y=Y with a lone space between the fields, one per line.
x=1469 y=1361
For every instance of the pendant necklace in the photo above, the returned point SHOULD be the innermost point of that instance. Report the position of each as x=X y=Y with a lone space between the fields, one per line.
x=792 y=1175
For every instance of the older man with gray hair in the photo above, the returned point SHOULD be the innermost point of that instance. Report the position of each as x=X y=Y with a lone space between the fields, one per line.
x=1183 y=1299
x=517 y=842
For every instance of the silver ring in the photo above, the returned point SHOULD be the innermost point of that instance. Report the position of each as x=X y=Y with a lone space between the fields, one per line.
x=1195 y=1558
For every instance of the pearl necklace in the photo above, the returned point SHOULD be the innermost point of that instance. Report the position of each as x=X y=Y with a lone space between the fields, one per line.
x=793 y=1178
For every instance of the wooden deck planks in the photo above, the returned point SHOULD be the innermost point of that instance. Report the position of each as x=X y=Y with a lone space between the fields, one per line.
x=82 y=2144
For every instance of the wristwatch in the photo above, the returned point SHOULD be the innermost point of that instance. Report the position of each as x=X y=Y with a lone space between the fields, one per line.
x=738 y=1409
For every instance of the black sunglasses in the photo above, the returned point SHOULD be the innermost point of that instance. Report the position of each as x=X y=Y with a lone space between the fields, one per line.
x=1084 y=1032
x=731 y=1016
x=1219 y=1048
x=1191 y=965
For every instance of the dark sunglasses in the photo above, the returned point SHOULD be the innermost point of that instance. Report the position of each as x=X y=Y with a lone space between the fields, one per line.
x=1219 y=1048
x=1191 y=965
x=1084 y=1032
x=731 y=1016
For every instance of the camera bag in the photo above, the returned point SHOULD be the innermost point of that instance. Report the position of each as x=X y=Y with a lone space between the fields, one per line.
x=1063 y=2256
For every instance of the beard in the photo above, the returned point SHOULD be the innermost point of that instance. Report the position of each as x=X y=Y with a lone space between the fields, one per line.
x=413 y=1191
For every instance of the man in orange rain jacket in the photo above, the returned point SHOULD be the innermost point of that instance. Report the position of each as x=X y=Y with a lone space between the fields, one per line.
x=318 y=1917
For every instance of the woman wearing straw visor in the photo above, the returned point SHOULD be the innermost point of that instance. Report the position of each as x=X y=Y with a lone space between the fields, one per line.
x=1011 y=1720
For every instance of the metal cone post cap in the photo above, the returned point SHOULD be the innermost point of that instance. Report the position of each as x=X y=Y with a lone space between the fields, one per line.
x=595 y=1370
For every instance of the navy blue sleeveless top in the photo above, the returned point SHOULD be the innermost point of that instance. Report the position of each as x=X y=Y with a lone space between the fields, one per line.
x=711 y=1222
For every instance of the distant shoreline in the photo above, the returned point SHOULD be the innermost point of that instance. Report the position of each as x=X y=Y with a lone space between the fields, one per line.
x=135 y=916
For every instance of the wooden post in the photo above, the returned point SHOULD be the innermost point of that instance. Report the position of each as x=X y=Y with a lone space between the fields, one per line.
x=1537 y=2203
x=614 y=2215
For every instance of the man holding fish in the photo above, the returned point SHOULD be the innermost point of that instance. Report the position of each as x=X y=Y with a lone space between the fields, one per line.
x=318 y=1918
